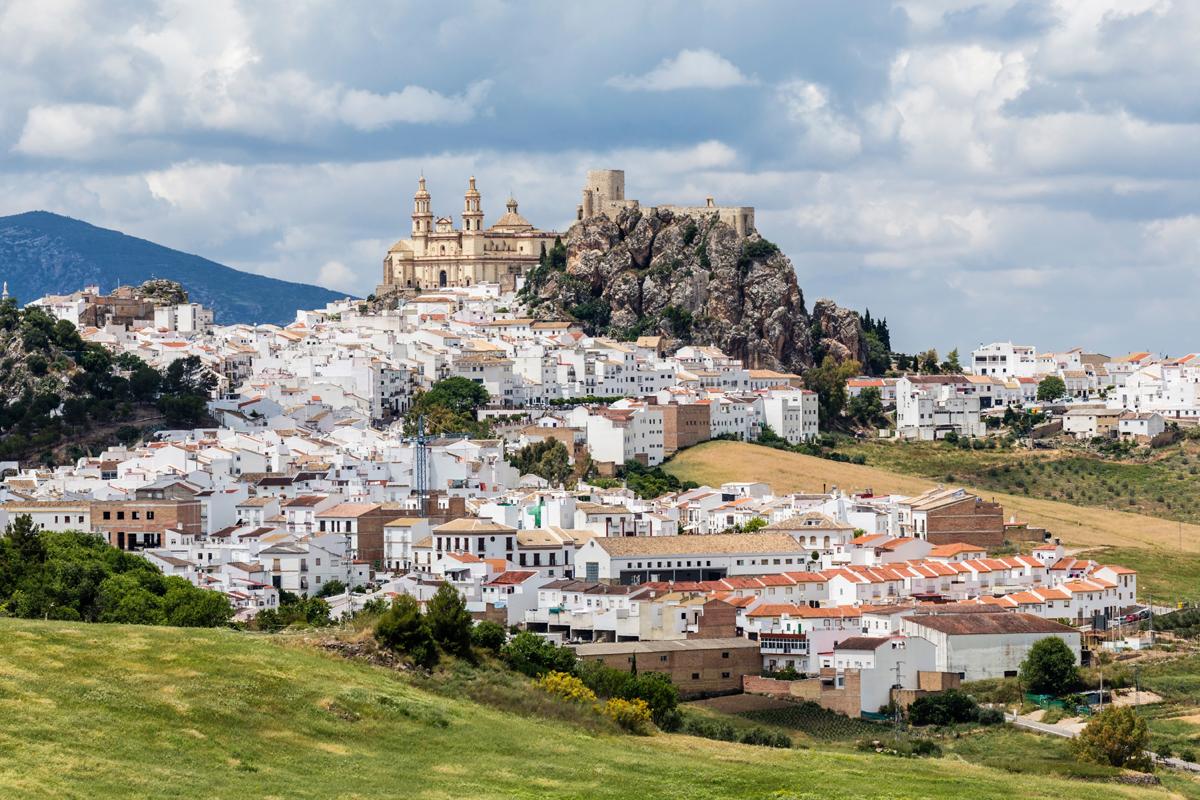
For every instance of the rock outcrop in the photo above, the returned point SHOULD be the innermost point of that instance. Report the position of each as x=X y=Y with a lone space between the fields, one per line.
x=693 y=280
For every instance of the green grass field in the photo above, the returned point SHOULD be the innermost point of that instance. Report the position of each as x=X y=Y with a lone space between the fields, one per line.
x=99 y=711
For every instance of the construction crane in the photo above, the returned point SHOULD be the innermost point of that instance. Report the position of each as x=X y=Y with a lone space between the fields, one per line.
x=420 y=443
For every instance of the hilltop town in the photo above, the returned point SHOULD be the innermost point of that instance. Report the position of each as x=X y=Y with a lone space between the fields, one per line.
x=457 y=432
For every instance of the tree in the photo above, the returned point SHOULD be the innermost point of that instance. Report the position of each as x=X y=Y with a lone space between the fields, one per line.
x=1050 y=668
x=547 y=459
x=866 y=408
x=449 y=621
x=1116 y=736
x=531 y=654
x=449 y=407
x=829 y=382
x=754 y=524
x=488 y=635
x=186 y=606
x=403 y=628
x=927 y=362
x=1051 y=388
x=330 y=588
x=951 y=364
x=657 y=690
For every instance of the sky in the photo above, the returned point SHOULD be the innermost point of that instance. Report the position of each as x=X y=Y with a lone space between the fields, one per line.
x=973 y=172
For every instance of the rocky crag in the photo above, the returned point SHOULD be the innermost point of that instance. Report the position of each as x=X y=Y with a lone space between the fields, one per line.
x=693 y=280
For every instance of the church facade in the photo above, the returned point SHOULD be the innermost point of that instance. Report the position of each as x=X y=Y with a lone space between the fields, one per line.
x=439 y=255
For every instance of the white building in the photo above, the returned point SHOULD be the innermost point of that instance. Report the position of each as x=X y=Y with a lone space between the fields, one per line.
x=1005 y=360
x=986 y=645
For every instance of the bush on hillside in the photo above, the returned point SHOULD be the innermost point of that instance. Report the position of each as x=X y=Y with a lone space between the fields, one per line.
x=488 y=635
x=404 y=629
x=632 y=715
x=566 y=686
x=531 y=654
x=944 y=708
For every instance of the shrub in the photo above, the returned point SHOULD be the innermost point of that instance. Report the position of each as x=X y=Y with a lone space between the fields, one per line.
x=708 y=729
x=531 y=654
x=1116 y=736
x=488 y=635
x=603 y=680
x=904 y=748
x=945 y=708
x=632 y=715
x=656 y=691
x=765 y=738
x=403 y=628
x=566 y=686
x=991 y=716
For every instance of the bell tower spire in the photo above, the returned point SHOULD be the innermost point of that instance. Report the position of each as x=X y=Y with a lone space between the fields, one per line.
x=422 y=217
x=472 y=210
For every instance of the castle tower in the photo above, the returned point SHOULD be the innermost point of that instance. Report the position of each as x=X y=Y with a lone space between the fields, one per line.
x=422 y=217
x=472 y=212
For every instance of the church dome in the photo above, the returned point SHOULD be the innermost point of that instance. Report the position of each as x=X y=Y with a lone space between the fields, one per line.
x=512 y=221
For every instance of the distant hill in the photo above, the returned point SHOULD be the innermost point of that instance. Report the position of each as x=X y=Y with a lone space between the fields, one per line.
x=44 y=253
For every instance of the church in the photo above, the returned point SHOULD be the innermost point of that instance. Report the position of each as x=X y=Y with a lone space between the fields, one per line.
x=438 y=254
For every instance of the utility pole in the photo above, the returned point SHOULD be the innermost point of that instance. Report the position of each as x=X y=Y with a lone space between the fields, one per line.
x=1150 y=598
x=897 y=688
x=1137 y=687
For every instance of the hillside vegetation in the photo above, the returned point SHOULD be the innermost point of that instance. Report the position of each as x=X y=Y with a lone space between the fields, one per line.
x=107 y=711
x=60 y=390
x=715 y=462
x=1162 y=483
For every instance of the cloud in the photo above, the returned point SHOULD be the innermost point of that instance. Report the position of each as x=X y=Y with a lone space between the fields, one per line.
x=956 y=165
x=823 y=131
x=335 y=275
x=690 y=69
x=368 y=111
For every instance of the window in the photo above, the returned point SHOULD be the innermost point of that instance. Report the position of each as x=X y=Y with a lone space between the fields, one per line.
x=149 y=515
x=108 y=515
x=663 y=659
x=695 y=676
x=724 y=674
x=120 y=515
x=725 y=654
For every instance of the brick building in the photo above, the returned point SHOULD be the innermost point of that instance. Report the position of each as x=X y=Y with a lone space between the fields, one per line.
x=696 y=666
x=946 y=516
x=363 y=524
x=138 y=524
x=684 y=424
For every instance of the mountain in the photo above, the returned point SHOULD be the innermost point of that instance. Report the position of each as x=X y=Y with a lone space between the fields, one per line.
x=43 y=253
x=694 y=280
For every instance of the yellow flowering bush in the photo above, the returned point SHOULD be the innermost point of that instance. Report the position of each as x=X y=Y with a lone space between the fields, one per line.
x=632 y=715
x=566 y=686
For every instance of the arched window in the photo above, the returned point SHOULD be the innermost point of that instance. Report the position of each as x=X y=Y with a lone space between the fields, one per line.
x=442 y=275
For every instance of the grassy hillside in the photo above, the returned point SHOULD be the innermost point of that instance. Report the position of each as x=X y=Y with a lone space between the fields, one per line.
x=102 y=711
x=1164 y=483
x=716 y=462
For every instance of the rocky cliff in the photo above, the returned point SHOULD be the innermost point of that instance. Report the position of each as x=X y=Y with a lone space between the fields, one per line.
x=693 y=280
